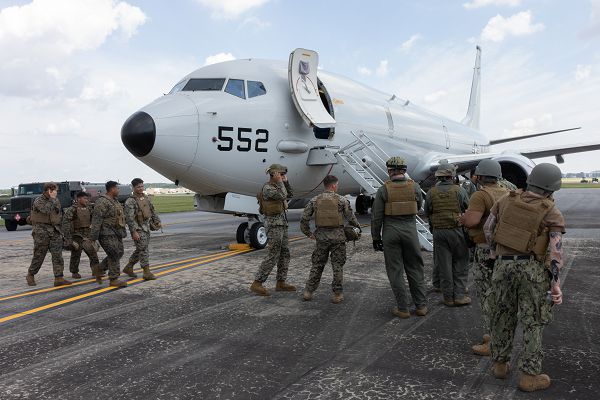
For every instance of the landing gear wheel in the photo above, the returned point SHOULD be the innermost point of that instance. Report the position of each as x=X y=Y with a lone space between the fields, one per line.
x=10 y=225
x=258 y=236
x=362 y=204
x=240 y=235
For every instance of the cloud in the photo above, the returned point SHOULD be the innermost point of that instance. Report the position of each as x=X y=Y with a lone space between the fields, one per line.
x=230 y=9
x=408 y=44
x=583 y=72
x=435 y=96
x=254 y=22
x=483 y=3
x=498 y=27
x=364 y=71
x=594 y=28
x=530 y=125
x=218 y=58
x=383 y=69
x=68 y=126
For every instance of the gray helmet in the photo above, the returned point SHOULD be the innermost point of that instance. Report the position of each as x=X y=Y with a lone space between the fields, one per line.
x=489 y=168
x=545 y=176
x=276 y=168
x=446 y=169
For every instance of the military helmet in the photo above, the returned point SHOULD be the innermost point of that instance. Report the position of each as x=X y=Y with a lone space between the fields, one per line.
x=276 y=168
x=396 y=163
x=489 y=168
x=545 y=176
x=446 y=169
x=352 y=233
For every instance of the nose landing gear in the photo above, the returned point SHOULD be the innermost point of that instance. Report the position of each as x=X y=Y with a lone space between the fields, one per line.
x=253 y=233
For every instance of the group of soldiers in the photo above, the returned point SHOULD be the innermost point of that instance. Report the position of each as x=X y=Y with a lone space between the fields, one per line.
x=515 y=236
x=82 y=226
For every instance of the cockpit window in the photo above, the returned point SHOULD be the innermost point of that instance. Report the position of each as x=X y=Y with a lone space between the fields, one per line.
x=178 y=87
x=198 y=84
x=256 y=89
x=236 y=88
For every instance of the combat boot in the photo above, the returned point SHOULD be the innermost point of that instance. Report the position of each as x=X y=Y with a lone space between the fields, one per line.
x=259 y=289
x=448 y=302
x=60 y=281
x=284 y=287
x=147 y=275
x=401 y=313
x=337 y=298
x=500 y=370
x=462 y=301
x=76 y=275
x=30 y=280
x=307 y=296
x=117 y=283
x=482 y=349
x=421 y=311
x=531 y=383
x=128 y=270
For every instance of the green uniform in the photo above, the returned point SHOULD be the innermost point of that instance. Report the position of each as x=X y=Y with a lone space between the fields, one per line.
x=76 y=227
x=108 y=227
x=401 y=248
x=45 y=217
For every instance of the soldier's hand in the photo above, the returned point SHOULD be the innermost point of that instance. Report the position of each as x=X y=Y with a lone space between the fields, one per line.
x=135 y=236
x=556 y=293
x=312 y=237
x=378 y=245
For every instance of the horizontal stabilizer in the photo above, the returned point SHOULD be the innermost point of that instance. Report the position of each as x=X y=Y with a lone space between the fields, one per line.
x=512 y=139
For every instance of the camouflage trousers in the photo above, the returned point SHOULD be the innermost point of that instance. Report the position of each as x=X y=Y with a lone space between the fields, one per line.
x=87 y=246
x=278 y=252
x=113 y=247
x=141 y=253
x=519 y=289
x=482 y=280
x=319 y=258
x=44 y=242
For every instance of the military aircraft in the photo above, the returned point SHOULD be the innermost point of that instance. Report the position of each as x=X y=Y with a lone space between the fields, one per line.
x=222 y=125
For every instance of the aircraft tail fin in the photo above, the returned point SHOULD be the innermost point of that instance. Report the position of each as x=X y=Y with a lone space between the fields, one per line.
x=472 y=118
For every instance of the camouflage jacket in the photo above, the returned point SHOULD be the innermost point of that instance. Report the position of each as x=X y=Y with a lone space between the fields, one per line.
x=67 y=224
x=131 y=209
x=507 y=184
x=106 y=210
x=328 y=234
x=45 y=205
x=277 y=191
x=469 y=187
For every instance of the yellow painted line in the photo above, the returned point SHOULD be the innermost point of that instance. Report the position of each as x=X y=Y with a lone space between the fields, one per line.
x=106 y=289
x=86 y=281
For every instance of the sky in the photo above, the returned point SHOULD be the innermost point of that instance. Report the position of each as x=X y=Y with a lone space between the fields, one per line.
x=72 y=71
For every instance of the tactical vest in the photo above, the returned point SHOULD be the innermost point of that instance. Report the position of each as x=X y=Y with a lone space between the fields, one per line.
x=446 y=207
x=492 y=194
x=83 y=218
x=328 y=213
x=144 y=212
x=118 y=220
x=401 y=199
x=270 y=207
x=520 y=225
x=37 y=217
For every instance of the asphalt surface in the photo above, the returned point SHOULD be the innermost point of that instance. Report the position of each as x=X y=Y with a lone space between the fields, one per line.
x=197 y=331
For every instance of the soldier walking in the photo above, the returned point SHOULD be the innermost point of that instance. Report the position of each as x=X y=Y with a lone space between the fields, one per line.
x=141 y=218
x=480 y=204
x=108 y=227
x=395 y=206
x=273 y=204
x=76 y=224
x=46 y=213
x=526 y=229
x=470 y=186
x=331 y=211
x=444 y=204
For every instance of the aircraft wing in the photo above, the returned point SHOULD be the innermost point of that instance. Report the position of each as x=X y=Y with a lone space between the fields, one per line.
x=559 y=151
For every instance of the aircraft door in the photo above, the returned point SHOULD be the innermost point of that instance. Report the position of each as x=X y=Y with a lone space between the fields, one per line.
x=302 y=77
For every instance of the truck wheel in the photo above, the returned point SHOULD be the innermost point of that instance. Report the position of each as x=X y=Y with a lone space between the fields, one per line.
x=258 y=236
x=240 y=235
x=10 y=225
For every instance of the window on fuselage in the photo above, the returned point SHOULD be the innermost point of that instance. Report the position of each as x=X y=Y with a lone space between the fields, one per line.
x=236 y=88
x=255 y=89
x=204 y=84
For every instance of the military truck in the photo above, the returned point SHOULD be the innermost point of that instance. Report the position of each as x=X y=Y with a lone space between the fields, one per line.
x=16 y=212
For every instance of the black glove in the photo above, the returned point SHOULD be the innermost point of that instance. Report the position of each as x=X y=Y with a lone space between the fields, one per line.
x=378 y=245
x=489 y=263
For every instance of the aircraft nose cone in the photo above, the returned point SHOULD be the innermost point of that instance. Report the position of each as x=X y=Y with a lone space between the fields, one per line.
x=138 y=134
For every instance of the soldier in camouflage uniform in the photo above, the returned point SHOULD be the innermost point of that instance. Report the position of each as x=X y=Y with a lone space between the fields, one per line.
x=444 y=204
x=331 y=211
x=273 y=204
x=395 y=206
x=489 y=171
x=525 y=229
x=108 y=227
x=76 y=224
x=141 y=218
x=470 y=186
x=45 y=217
x=506 y=184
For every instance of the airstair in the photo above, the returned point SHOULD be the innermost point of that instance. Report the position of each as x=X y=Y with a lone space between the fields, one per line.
x=365 y=161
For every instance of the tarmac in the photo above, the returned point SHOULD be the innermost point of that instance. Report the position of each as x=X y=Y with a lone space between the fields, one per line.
x=197 y=332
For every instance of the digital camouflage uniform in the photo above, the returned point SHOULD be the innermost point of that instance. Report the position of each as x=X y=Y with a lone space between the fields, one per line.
x=47 y=235
x=139 y=223
x=469 y=187
x=329 y=240
x=507 y=184
x=519 y=291
x=108 y=227
x=76 y=228
x=278 y=250
x=450 y=252
x=401 y=247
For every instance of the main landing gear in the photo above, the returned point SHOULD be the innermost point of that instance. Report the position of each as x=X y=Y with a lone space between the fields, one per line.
x=253 y=233
x=363 y=203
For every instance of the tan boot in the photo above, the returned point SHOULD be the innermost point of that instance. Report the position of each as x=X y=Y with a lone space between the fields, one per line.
x=147 y=275
x=96 y=273
x=307 y=296
x=76 y=275
x=422 y=311
x=531 y=383
x=448 y=302
x=487 y=338
x=463 y=301
x=128 y=270
x=337 y=298
x=259 y=289
x=30 y=280
x=284 y=287
x=401 y=313
x=117 y=283
x=482 y=349
x=500 y=370
x=60 y=281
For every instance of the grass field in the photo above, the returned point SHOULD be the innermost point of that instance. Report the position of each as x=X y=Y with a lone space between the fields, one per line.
x=173 y=203
x=575 y=183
